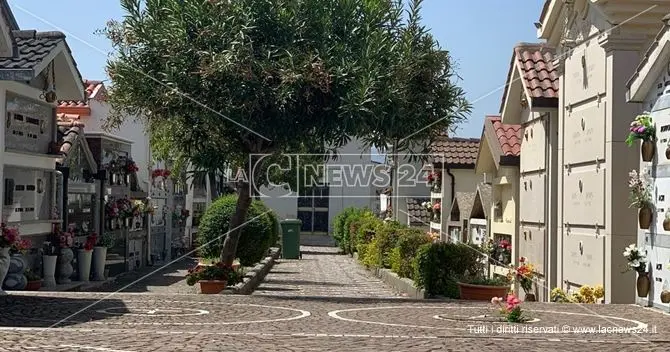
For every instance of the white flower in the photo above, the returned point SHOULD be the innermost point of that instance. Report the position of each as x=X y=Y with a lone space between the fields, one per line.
x=634 y=264
x=626 y=253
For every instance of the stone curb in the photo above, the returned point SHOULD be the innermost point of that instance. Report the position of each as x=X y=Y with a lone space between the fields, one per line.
x=400 y=284
x=254 y=276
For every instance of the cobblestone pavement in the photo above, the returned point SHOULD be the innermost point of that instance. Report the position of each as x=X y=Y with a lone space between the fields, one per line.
x=335 y=306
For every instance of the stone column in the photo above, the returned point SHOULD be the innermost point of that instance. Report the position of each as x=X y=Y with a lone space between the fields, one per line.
x=622 y=58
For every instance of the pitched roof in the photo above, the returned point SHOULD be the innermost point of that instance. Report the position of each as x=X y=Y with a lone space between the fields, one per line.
x=417 y=214
x=645 y=76
x=8 y=15
x=509 y=136
x=464 y=201
x=454 y=151
x=94 y=90
x=33 y=47
x=534 y=64
x=482 y=198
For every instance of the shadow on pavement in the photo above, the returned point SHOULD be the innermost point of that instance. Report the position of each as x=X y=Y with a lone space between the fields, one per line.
x=44 y=312
x=302 y=282
x=164 y=277
x=368 y=300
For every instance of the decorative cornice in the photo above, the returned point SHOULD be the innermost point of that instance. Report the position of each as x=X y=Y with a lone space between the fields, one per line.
x=614 y=40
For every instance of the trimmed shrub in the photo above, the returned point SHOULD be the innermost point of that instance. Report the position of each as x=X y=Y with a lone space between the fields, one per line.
x=439 y=266
x=276 y=228
x=385 y=238
x=256 y=235
x=341 y=228
x=362 y=229
x=405 y=250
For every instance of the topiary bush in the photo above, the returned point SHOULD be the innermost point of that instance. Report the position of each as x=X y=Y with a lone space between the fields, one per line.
x=362 y=229
x=439 y=266
x=256 y=234
x=405 y=250
x=341 y=227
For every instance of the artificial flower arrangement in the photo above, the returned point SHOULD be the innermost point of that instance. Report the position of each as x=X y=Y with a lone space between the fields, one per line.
x=585 y=294
x=91 y=241
x=525 y=274
x=437 y=206
x=131 y=166
x=112 y=210
x=636 y=259
x=65 y=239
x=9 y=236
x=510 y=308
x=641 y=128
x=640 y=190
x=428 y=206
x=435 y=180
x=125 y=207
x=501 y=251
x=164 y=173
x=21 y=246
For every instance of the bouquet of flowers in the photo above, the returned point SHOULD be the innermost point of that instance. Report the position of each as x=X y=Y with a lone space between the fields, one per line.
x=22 y=245
x=9 y=236
x=640 y=192
x=510 y=308
x=428 y=206
x=636 y=260
x=125 y=207
x=131 y=166
x=164 y=173
x=66 y=240
x=525 y=274
x=91 y=240
x=111 y=210
x=641 y=128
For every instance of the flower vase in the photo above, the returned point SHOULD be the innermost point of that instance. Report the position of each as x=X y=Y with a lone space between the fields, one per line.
x=65 y=268
x=666 y=225
x=127 y=222
x=4 y=266
x=127 y=179
x=648 y=150
x=84 y=264
x=114 y=177
x=99 y=261
x=645 y=216
x=15 y=280
x=49 y=270
x=643 y=284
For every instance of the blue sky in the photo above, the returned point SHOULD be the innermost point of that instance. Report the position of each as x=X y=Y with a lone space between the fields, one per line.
x=480 y=35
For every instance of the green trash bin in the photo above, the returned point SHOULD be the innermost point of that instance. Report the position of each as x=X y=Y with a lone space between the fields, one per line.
x=290 y=238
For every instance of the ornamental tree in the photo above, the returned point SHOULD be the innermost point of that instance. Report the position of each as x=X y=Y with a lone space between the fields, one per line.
x=230 y=82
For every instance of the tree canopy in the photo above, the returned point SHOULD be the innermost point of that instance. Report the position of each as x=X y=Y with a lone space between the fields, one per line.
x=220 y=81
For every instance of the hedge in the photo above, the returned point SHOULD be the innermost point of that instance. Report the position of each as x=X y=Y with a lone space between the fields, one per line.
x=409 y=252
x=257 y=235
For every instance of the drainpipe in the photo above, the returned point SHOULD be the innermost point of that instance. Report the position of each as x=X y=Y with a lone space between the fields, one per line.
x=453 y=185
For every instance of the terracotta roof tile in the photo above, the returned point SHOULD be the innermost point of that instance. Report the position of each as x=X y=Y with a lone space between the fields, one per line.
x=509 y=136
x=455 y=151
x=67 y=137
x=94 y=90
x=539 y=75
x=418 y=215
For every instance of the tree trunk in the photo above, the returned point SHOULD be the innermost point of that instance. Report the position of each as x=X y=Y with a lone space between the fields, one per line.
x=229 y=248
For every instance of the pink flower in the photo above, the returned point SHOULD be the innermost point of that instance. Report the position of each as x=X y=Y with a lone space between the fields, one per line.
x=496 y=300
x=641 y=129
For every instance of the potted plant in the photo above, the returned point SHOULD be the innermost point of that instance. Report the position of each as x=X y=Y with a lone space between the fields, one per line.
x=85 y=256
x=100 y=256
x=214 y=278
x=34 y=280
x=640 y=197
x=638 y=261
x=49 y=260
x=8 y=237
x=481 y=288
x=525 y=274
x=643 y=128
x=436 y=211
x=510 y=308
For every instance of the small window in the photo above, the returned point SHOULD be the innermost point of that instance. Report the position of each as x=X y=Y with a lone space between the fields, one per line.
x=20 y=187
x=30 y=188
x=33 y=121
x=18 y=117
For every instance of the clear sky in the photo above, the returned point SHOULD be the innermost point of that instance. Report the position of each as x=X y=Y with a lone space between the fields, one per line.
x=480 y=35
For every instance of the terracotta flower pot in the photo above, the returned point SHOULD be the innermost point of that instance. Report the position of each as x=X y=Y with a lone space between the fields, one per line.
x=210 y=287
x=648 y=150
x=666 y=224
x=665 y=296
x=481 y=292
x=643 y=284
x=644 y=217
x=33 y=285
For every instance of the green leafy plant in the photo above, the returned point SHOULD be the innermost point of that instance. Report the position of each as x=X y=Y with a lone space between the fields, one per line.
x=385 y=238
x=31 y=275
x=438 y=267
x=496 y=280
x=256 y=233
x=404 y=252
x=218 y=271
x=106 y=240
